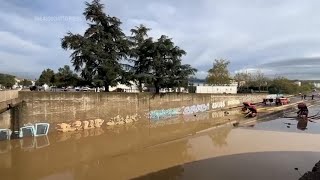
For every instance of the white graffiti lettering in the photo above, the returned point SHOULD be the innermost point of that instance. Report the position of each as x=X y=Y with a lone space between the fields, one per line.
x=196 y=108
x=217 y=105
x=217 y=114
x=233 y=102
x=164 y=113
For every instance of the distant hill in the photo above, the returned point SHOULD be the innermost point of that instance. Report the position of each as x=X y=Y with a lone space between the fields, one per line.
x=5 y=74
x=23 y=75
x=196 y=80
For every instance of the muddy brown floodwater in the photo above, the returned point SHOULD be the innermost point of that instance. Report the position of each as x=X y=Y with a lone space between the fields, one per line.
x=172 y=151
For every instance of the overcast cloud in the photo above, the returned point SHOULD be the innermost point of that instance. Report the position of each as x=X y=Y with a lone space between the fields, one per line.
x=277 y=37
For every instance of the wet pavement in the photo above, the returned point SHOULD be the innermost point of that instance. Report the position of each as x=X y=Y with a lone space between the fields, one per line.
x=163 y=151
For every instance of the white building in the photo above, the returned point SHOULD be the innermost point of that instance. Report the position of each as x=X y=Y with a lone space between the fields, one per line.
x=16 y=84
x=45 y=87
x=227 y=89
x=166 y=90
x=297 y=83
x=316 y=85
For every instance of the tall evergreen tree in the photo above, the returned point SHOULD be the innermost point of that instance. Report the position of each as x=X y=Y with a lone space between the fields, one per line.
x=47 y=77
x=66 y=77
x=139 y=53
x=167 y=70
x=98 y=53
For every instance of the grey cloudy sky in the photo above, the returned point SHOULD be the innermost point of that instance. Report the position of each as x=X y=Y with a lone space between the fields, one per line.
x=277 y=37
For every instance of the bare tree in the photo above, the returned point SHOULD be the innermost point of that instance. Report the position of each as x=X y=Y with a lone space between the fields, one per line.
x=259 y=79
x=219 y=73
x=244 y=79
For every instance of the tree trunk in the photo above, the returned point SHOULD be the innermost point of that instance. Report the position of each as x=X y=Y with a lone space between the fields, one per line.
x=157 y=90
x=156 y=85
x=140 y=86
x=106 y=87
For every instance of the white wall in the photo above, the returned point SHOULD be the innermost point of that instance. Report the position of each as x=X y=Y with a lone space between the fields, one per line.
x=298 y=83
x=217 y=89
x=317 y=85
x=166 y=90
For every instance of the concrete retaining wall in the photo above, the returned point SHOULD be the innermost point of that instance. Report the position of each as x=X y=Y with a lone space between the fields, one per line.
x=55 y=107
x=8 y=95
x=5 y=120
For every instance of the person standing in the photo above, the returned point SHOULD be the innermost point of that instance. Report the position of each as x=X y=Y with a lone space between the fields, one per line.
x=303 y=110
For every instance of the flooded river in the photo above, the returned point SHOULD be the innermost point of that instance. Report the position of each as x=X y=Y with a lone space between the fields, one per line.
x=172 y=151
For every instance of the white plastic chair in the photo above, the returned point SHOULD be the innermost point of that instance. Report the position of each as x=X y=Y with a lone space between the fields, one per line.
x=8 y=133
x=37 y=129
x=24 y=131
x=41 y=131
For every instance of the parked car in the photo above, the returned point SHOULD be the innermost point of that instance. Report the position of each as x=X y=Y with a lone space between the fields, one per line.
x=85 y=89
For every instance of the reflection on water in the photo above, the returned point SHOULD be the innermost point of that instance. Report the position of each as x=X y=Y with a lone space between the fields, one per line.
x=5 y=146
x=302 y=124
x=220 y=135
x=289 y=125
x=133 y=151
x=76 y=135
x=26 y=144
x=60 y=176
x=217 y=116
x=263 y=165
x=102 y=152
x=310 y=125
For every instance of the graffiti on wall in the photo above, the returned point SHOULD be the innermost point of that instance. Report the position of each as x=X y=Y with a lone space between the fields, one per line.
x=196 y=108
x=166 y=122
x=198 y=117
x=187 y=110
x=217 y=105
x=233 y=112
x=233 y=102
x=217 y=114
x=164 y=113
